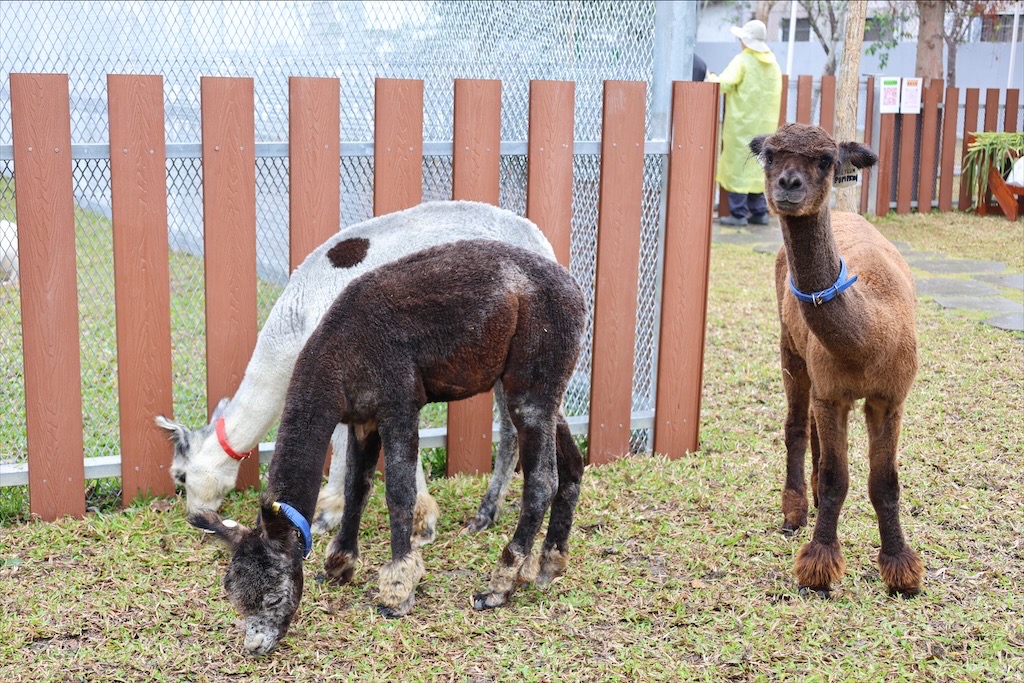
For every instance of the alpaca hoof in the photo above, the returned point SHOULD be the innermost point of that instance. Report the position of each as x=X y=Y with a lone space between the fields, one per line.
x=397 y=611
x=790 y=529
x=818 y=566
x=490 y=600
x=424 y=520
x=551 y=565
x=480 y=522
x=805 y=592
x=902 y=573
x=339 y=568
x=330 y=507
x=397 y=584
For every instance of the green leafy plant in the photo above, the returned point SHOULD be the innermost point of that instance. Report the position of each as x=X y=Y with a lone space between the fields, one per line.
x=989 y=150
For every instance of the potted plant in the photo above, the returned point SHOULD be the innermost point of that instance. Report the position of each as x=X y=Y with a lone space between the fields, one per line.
x=989 y=154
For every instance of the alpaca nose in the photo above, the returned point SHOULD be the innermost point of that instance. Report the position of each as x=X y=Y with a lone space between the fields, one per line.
x=790 y=182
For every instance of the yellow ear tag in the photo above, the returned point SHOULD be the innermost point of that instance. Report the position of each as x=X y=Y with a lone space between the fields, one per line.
x=276 y=507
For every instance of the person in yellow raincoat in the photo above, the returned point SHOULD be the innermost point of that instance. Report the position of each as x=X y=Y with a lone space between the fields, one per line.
x=752 y=84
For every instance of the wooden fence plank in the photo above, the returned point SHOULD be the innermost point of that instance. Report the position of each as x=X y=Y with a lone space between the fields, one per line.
x=618 y=257
x=691 y=178
x=803 y=99
x=927 y=175
x=991 y=125
x=886 y=162
x=138 y=185
x=314 y=173
x=549 y=162
x=41 y=122
x=397 y=145
x=992 y=109
x=827 y=118
x=869 y=110
x=229 y=215
x=785 y=100
x=476 y=158
x=949 y=121
x=49 y=313
x=905 y=177
x=1010 y=111
x=970 y=126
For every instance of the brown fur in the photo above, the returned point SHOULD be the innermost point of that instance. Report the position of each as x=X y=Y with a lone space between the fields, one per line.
x=818 y=565
x=861 y=344
x=348 y=253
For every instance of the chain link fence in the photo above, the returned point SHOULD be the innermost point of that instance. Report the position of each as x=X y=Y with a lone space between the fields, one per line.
x=356 y=42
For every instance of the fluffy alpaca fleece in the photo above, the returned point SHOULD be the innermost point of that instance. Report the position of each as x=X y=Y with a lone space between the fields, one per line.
x=835 y=348
x=443 y=324
x=8 y=251
x=201 y=465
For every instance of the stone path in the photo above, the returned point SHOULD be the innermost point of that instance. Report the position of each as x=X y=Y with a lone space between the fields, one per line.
x=979 y=293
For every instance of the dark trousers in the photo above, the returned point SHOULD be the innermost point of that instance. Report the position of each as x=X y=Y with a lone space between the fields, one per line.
x=747 y=205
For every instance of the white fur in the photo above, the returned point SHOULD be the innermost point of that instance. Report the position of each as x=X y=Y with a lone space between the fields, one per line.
x=257 y=405
x=8 y=251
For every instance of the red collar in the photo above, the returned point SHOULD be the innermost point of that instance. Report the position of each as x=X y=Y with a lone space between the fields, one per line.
x=222 y=438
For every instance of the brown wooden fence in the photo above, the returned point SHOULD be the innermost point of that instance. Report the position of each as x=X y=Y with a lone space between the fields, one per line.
x=920 y=168
x=46 y=225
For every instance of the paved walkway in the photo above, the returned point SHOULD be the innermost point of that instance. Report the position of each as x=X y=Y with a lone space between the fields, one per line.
x=979 y=293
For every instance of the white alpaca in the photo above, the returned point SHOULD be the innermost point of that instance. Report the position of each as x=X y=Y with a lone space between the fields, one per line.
x=202 y=464
x=8 y=251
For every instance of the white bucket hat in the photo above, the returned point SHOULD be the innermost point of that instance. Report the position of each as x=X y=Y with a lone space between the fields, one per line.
x=752 y=35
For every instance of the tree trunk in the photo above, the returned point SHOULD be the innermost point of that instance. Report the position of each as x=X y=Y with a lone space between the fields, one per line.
x=847 y=90
x=951 y=48
x=930 y=38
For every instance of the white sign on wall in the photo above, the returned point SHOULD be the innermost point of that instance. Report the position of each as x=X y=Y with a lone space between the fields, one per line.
x=910 y=97
x=889 y=95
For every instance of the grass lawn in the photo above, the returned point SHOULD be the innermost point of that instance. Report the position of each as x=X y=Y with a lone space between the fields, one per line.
x=677 y=570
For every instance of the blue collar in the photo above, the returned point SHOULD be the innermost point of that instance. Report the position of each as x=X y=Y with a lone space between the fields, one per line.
x=842 y=283
x=300 y=523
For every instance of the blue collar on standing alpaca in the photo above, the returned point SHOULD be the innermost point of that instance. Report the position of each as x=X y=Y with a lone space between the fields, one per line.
x=300 y=523
x=843 y=282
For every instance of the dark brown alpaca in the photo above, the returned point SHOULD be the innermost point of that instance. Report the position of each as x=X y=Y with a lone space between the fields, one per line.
x=442 y=324
x=846 y=334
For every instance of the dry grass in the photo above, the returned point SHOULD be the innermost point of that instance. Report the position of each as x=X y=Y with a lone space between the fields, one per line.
x=677 y=570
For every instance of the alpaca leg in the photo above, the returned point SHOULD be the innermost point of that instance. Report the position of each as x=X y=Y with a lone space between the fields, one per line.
x=362 y=453
x=815 y=459
x=555 y=552
x=820 y=563
x=798 y=388
x=504 y=468
x=540 y=477
x=900 y=566
x=426 y=512
x=330 y=506
x=399 y=577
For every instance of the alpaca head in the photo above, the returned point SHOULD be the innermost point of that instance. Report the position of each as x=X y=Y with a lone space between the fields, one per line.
x=200 y=464
x=264 y=579
x=800 y=163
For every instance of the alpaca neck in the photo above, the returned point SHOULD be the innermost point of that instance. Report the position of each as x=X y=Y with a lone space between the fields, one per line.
x=813 y=258
x=257 y=404
x=811 y=250
x=299 y=455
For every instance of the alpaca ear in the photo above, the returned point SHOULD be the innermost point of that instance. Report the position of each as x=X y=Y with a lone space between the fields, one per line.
x=227 y=530
x=218 y=412
x=178 y=433
x=857 y=155
x=757 y=144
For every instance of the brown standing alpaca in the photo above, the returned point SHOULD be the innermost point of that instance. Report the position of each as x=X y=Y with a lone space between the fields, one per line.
x=846 y=303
